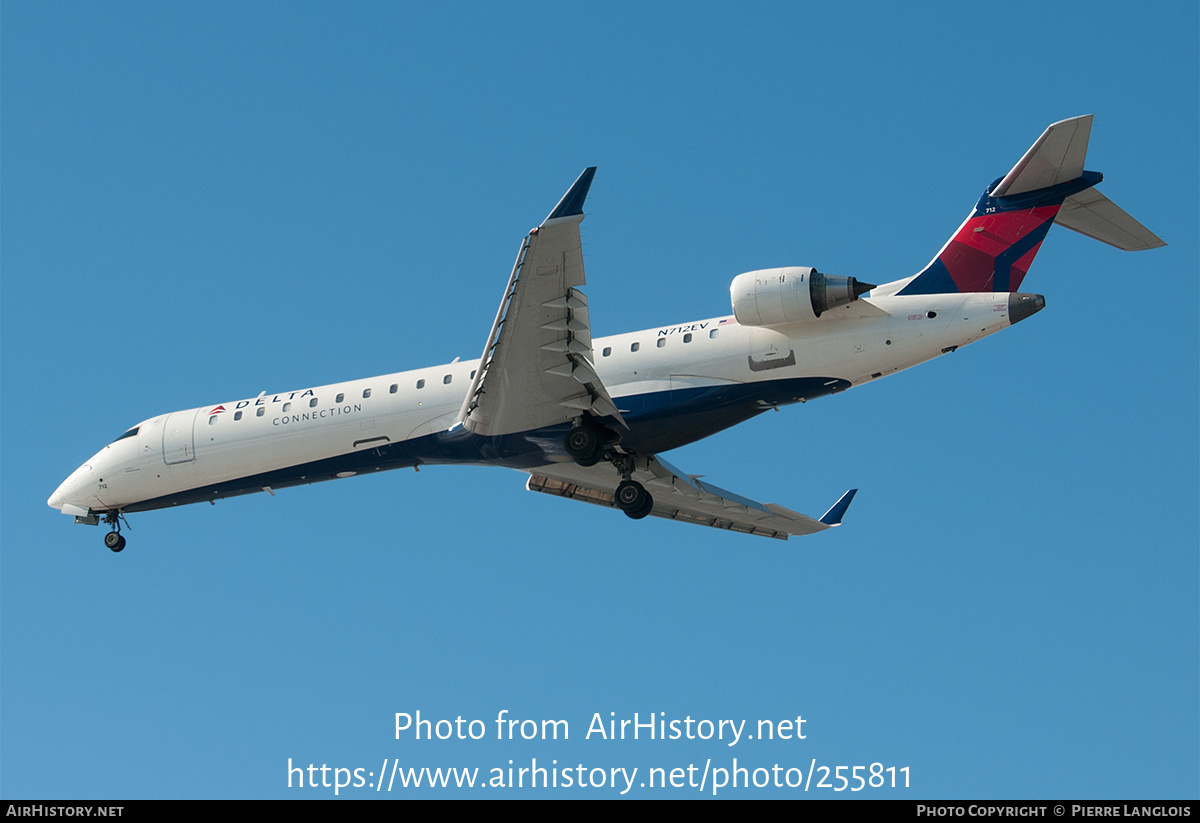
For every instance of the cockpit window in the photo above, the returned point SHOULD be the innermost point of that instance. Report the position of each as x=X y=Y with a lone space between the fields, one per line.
x=129 y=433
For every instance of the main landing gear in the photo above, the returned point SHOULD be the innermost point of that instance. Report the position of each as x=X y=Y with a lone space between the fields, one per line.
x=586 y=442
x=633 y=499
x=583 y=444
x=114 y=540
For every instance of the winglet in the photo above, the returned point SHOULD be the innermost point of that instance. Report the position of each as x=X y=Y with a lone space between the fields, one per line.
x=833 y=517
x=572 y=202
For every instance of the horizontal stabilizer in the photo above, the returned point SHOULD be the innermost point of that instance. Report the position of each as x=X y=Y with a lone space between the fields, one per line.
x=1056 y=157
x=1092 y=214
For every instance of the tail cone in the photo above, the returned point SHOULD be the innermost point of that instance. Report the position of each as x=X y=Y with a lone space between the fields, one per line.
x=1021 y=306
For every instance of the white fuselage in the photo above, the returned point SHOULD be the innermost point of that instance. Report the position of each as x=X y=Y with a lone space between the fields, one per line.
x=342 y=429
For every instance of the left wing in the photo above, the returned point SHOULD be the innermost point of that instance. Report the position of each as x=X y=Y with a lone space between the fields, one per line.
x=537 y=365
x=678 y=496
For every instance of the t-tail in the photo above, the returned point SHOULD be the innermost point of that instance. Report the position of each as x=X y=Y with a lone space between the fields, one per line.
x=993 y=249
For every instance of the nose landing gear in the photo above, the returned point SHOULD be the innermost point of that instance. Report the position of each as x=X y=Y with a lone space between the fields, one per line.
x=114 y=540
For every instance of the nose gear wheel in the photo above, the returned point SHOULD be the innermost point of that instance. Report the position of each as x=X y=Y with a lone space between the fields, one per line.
x=114 y=540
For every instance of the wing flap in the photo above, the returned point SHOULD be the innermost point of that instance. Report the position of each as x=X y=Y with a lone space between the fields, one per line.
x=537 y=365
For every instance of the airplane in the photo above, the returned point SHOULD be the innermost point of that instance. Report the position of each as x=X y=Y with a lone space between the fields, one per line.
x=589 y=418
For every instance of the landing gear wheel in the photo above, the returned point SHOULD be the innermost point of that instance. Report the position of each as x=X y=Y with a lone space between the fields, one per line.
x=583 y=444
x=633 y=499
x=644 y=510
x=588 y=462
x=114 y=541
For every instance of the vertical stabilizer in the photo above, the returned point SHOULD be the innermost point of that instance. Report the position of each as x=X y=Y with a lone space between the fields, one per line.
x=1056 y=157
x=993 y=249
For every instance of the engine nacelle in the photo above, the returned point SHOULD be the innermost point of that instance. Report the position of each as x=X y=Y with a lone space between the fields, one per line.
x=795 y=294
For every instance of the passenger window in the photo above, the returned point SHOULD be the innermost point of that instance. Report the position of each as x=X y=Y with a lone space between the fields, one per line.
x=447 y=379
x=339 y=398
x=287 y=407
x=472 y=374
x=392 y=388
x=212 y=419
x=237 y=415
x=261 y=411
x=366 y=393
x=687 y=338
x=607 y=351
x=713 y=333
x=421 y=383
x=634 y=346
x=312 y=404
x=662 y=341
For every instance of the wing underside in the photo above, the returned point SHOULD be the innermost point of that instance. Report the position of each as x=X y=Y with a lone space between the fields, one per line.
x=678 y=496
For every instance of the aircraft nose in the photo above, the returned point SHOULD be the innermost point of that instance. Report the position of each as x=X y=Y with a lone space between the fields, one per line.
x=66 y=491
x=62 y=494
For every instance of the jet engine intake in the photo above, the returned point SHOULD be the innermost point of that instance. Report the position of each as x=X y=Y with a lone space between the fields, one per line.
x=795 y=294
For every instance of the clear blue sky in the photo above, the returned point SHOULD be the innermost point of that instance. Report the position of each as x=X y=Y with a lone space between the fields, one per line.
x=204 y=201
